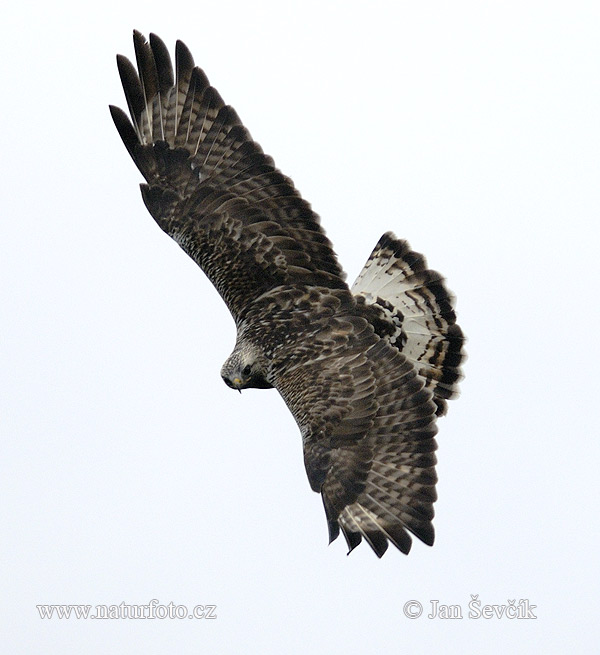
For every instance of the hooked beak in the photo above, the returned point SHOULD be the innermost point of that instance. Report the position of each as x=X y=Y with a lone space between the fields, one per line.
x=236 y=383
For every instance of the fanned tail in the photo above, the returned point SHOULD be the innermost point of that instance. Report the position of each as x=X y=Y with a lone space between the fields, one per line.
x=396 y=282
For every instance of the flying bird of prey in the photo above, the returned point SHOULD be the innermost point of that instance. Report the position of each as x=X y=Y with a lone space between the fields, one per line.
x=365 y=371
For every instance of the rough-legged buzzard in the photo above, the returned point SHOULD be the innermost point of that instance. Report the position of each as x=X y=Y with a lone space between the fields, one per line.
x=365 y=371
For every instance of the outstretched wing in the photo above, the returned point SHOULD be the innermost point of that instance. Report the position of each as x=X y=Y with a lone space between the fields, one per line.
x=211 y=187
x=368 y=427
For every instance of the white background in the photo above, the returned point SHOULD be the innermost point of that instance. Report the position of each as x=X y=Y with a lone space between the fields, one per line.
x=131 y=472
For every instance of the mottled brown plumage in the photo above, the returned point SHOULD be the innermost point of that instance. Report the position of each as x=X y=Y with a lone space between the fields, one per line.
x=364 y=372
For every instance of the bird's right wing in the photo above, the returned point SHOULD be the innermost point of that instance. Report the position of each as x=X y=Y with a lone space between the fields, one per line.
x=368 y=426
x=211 y=187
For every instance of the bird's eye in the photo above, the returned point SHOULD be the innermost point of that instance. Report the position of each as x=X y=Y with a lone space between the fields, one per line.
x=246 y=370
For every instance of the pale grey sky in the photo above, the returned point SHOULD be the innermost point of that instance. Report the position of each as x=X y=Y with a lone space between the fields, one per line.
x=130 y=472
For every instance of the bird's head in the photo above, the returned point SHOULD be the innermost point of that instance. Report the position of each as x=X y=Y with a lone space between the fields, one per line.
x=244 y=369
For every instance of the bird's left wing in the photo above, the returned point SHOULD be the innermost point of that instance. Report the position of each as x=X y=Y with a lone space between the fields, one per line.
x=211 y=187
x=368 y=426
